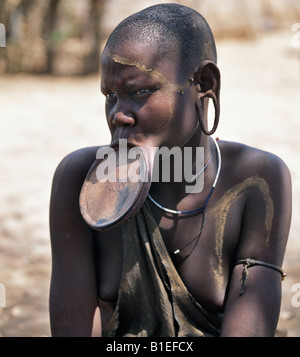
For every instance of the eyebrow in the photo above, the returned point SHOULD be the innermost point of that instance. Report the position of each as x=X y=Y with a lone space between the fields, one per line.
x=150 y=71
x=132 y=84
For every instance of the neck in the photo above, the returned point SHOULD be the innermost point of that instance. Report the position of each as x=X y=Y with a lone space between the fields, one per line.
x=177 y=166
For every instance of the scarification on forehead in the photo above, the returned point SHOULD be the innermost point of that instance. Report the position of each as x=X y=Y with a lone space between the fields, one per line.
x=151 y=72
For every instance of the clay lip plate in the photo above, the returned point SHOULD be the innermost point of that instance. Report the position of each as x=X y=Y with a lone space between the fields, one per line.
x=106 y=205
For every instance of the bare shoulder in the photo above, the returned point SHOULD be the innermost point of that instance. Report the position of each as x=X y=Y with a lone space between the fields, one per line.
x=264 y=179
x=67 y=183
x=246 y=161
x=76 y=164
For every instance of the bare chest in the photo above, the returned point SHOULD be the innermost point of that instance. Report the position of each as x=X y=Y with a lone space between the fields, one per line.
x=202 y=249
x=206 y=245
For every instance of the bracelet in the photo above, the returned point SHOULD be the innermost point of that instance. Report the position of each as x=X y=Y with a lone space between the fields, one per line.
x=251 y=262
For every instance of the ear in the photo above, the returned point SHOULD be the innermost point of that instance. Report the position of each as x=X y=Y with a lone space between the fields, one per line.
x=208 y=84
x=208 y=79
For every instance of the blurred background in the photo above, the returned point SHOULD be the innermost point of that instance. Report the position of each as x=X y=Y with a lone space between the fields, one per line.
x=50 y=105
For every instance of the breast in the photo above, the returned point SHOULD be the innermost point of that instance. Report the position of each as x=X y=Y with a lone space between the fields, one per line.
x=205 y=265
x=204 y=275
x=109 y=264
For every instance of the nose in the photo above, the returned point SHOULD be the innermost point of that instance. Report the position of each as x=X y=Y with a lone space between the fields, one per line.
x=123 y=117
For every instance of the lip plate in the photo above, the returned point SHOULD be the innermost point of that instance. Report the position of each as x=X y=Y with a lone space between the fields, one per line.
x=109 y=205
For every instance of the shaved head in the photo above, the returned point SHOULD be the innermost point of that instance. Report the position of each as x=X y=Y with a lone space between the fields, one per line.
x=177 y=33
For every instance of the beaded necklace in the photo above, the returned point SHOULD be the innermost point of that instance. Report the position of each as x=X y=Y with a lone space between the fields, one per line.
x=201 y=209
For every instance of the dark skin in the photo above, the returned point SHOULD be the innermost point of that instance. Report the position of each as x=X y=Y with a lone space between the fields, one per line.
x=248 y=214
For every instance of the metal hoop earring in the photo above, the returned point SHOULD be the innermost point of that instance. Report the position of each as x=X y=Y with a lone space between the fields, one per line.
x=211 y=94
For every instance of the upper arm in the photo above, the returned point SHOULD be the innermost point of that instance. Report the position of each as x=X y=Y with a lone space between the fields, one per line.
x=73 y=292
x=267 y=212
x=264 y=234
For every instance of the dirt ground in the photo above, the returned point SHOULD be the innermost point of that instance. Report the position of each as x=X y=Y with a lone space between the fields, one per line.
x=44 y=118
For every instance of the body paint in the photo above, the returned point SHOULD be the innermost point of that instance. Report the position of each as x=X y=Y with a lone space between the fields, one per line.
x=221 y=210
x=153 y=73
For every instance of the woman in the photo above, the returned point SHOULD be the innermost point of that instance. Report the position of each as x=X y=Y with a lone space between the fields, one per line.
x=206 y=263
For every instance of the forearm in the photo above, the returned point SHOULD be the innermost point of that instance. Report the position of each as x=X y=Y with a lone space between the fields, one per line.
x=72 y=314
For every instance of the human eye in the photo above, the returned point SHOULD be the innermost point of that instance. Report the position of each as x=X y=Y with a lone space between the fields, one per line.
x=110 y=96
x=143 y=92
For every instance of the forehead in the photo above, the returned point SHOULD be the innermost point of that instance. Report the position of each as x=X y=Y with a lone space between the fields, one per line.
x=140 y=59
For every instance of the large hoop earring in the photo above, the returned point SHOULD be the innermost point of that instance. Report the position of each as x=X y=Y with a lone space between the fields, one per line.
x=211 y=94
